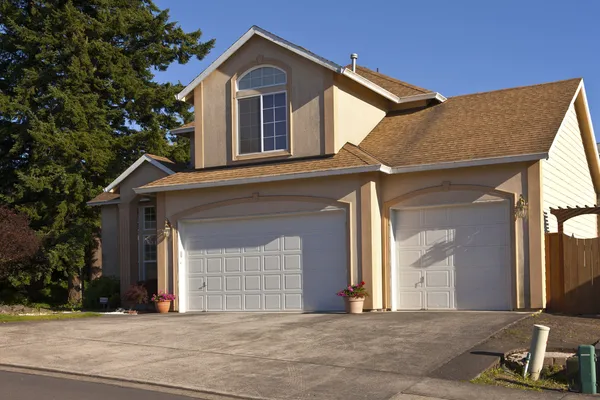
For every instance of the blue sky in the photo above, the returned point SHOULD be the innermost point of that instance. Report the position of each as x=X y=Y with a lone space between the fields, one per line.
x=453 y=47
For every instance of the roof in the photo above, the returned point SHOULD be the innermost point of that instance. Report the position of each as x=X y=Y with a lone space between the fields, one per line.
x=301 y=51
x=185 y=128
x=104 y=198
x=167 y=162
x=349 y=158
x=393 y=85
x=503 y=123
x=162 y=163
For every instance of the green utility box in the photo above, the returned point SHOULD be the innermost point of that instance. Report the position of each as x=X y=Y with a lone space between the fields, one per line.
x=587 y=368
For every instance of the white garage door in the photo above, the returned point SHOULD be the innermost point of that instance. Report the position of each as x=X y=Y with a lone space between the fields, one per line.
x=453 y=257
x=278 y=263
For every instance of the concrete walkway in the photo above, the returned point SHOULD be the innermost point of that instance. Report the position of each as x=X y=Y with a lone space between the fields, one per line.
x=267 y=356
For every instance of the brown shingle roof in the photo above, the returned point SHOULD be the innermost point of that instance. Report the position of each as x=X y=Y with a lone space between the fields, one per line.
x=103 y=198
x=349 y=156
x=392 y=85
x=172 y=165
x=501 y=123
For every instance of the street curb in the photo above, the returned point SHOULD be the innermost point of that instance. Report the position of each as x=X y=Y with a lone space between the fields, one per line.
x=446 y=371
x=135 y=383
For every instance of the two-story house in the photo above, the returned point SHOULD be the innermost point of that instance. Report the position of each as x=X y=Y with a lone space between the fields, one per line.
x=307 y=175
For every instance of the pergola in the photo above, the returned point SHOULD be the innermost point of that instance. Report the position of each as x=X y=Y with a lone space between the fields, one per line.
x=564 y=214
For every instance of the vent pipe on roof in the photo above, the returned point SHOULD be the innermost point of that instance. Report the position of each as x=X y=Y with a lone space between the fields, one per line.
x=353 y=57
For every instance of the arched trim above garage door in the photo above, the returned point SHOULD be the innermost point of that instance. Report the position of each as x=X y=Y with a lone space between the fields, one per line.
x=444 y=187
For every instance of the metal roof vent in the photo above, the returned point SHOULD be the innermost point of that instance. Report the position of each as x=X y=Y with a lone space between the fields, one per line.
x=354 y=57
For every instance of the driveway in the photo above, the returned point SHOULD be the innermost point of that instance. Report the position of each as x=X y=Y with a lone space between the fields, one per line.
x=256 y=355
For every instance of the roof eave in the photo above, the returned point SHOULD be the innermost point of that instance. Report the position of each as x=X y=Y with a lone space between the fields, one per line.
x=263 y=179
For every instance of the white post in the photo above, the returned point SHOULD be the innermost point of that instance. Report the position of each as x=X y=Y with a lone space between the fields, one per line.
x=539 y=340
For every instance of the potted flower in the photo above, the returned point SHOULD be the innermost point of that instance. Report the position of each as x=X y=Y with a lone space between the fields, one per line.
x=163 y=300
x=354 y=297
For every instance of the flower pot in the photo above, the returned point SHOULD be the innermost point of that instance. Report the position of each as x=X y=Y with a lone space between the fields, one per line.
x=163 y=306
x=354 y=305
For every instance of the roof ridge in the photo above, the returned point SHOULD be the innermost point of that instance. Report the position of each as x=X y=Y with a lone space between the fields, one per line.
x=392 y=79
x=516 y=88
x=360 y=153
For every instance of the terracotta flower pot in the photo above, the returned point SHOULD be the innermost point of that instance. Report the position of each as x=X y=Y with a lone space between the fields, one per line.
x=163 y=306
x=354 y=305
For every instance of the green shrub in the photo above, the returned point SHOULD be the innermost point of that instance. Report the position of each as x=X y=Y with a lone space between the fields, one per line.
x=105 y=286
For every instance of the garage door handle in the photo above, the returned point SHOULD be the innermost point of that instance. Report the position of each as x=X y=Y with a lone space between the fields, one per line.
x=203 y=286
x=422 y=280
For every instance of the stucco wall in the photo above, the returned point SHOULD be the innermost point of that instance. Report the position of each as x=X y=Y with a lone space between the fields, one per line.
x=355 y=115
x=110 y=240
x=566 y=180
x=510 y=178
x=307 y=82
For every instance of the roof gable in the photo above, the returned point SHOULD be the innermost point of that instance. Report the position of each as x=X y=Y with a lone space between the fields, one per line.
x=301 y=51
x=162 y=163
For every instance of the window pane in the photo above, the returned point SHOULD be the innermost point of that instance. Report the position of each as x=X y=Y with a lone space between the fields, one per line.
x=280 y=114
x=280 y=129
x=279 y=79
x=268 y=115
x=269 y=130
x=280 y=99
x=149 y=218
x=269 y=144
x=149 y=247
x=268 y=101
x=250 y=146
x=281 y=143
x=265 y=76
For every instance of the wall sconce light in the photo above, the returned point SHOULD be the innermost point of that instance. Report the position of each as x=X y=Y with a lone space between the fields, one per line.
x=521 y=208
x=166 y=231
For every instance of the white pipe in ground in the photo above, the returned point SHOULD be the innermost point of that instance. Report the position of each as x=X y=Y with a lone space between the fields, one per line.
x=539 y=341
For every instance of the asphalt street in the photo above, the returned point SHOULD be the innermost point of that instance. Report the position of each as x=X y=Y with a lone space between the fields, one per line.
x=19 y=386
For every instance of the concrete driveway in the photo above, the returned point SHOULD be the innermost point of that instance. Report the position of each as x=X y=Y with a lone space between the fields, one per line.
x=256 y=355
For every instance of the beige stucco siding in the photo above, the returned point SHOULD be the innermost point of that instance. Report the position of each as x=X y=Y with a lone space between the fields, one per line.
x=566 y=180
x=306 y=86
x=355 y=117
x=110 y=240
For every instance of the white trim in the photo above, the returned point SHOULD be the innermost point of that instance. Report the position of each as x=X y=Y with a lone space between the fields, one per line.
x=367 y=83
x=255 y=30
x=134 y=166
x=260 y=179
x=103 y=203
x=425 y=96
x=394 y=272
x=182 y=269
x=180 y=131
x=469 y=163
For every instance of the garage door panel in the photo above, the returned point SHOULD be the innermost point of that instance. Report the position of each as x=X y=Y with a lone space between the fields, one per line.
x=462 y=259
x=410 y=279
x=438 y=279
x=411 y=300
x=269 y=264
x=435 y=217
x=409 y=237
x=439 y=300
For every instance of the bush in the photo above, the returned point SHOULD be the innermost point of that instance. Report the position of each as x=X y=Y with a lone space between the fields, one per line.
x=105 y=286
x=136 y=294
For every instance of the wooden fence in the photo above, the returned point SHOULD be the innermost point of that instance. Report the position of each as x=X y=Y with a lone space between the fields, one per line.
x=573 y=283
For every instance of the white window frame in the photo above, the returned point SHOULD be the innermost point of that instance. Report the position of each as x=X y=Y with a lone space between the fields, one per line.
x=262 y=128
x=237 y=82
x=143 y=234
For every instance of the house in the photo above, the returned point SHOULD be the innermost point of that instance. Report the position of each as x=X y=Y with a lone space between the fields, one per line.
x=306 y=175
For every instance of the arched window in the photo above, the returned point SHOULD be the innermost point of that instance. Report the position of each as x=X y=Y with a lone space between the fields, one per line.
x=263 y=116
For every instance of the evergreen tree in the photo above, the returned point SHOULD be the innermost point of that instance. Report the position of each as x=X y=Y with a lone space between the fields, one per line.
x=78 y=104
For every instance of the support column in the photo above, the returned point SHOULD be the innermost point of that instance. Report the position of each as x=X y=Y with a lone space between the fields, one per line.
x=537 y=254
x=162 y=241
x=370 y=215
x=124 y=247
